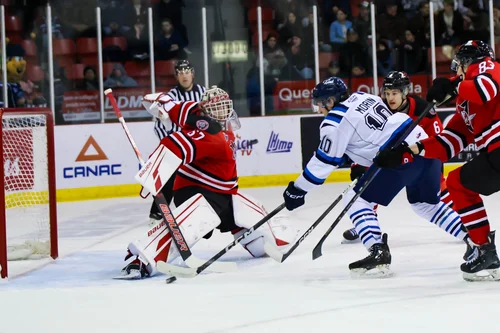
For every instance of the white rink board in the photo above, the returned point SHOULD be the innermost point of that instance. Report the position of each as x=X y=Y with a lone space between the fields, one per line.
x=119 y=165
x=278 y=150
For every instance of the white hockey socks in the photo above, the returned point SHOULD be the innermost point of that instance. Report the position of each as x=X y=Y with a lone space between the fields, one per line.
x=364 y=219
x=443 y=216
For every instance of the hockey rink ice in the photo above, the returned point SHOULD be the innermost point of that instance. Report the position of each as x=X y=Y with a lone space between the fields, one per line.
x=76 y=293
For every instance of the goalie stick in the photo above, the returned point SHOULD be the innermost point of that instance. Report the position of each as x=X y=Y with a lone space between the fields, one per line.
x=317 y=251
x=163 y=207
x=192 y=271
x=277 y=255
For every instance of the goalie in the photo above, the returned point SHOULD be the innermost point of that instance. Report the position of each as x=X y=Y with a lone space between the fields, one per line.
x=206 y=186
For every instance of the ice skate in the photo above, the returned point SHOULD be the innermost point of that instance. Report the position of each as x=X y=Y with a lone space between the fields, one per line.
x=376 y=264
x=135 y=270
x=483 y=264
x=350 y=236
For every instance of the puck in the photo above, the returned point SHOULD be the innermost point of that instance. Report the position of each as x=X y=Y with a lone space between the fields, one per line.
x=170 y=279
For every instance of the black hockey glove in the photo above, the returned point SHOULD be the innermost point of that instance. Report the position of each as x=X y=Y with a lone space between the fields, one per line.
x=442 y=87
x=392 y=158
x=357 y=171
x=294 y=197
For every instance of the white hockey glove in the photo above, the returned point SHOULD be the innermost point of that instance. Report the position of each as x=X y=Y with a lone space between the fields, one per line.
x=153 y=103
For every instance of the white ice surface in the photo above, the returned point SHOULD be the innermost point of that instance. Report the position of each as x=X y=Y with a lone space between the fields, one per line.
x=76 y=293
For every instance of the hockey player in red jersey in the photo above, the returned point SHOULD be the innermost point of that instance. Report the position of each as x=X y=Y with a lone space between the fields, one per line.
x=396 y=87
x=203 y=153
x=476 y=121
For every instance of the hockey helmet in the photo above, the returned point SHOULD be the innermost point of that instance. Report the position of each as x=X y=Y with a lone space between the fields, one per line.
x=183 y=66
x=331 y=87
x=471 y=52
x=397 y=80
x=218 y=105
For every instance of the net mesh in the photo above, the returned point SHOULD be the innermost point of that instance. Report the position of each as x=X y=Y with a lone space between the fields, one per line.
x=25 y=156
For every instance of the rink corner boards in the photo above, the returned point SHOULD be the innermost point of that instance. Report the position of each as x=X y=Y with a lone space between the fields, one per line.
x=130 y=190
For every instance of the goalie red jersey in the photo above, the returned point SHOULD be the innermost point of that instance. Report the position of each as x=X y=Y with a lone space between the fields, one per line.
x=208 y=153
x=477 y=118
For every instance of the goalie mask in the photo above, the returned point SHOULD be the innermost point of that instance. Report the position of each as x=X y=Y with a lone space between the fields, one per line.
x=217 y=105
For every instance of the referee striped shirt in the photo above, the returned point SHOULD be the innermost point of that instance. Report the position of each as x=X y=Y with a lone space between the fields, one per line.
x=178 y=94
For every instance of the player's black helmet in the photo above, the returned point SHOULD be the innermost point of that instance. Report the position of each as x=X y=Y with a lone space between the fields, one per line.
x=471 y=52
x=331 y=87
x=183 y=65
x=397 y=80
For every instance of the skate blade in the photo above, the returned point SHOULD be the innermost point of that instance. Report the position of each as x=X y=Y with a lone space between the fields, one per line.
x=133 y=275
x=380 y=271
x=484 y=275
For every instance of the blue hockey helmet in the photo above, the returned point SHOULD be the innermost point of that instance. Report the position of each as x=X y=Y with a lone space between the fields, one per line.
x=331 y=87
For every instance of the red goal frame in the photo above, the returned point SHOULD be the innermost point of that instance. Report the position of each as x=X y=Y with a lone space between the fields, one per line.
x=51 y=169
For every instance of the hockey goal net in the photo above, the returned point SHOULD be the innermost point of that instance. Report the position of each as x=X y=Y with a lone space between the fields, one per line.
x=28 y=219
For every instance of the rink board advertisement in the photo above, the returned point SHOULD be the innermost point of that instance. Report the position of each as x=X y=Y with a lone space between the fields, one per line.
x=296 y=95
x=99 y=154
x=97 y=159
x=268 y=146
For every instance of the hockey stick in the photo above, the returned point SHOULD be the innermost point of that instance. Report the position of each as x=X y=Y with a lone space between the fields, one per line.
x=279 y=256
x=163 y=207
x=192 y=272
x=317 y=252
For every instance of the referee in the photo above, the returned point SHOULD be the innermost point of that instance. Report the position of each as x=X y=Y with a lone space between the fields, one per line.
x=185 y=90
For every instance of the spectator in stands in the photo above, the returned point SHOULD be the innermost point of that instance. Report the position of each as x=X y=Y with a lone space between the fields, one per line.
x=391 y=26
x=292 y=27
x=119 y=78
x=172 y=10
x=363 y=24
x=170 y=42
x=135 y=11
x=113 y=19
x=334 y=69
x=274 y=54
x=338 y=30
x=353 y=60
x=331 y=7
x=477 y=21
x=420 y=25
x=78 y=18
x=384 y=58
x=89 y=79
x=410 y=7
x=449 y=25
x=138 y=41
x=496 y=22
x=300 y=61
x=412 y=54
x=308 y=33
x=282 y=8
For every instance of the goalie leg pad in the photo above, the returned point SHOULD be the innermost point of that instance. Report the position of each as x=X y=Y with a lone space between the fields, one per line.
x=195 y=218
x=247 y=212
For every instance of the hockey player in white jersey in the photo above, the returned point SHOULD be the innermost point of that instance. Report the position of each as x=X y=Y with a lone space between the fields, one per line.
x=359 y=126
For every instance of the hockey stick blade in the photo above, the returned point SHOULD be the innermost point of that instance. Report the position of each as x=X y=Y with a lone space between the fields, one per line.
x=186 y=272
x=317 y=251
x=277 y=255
